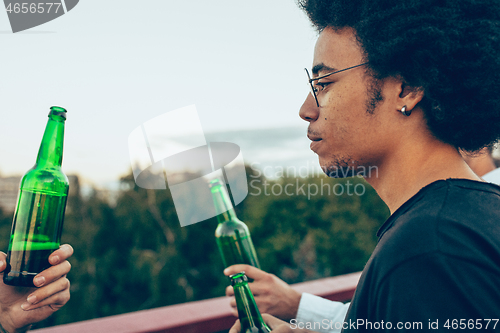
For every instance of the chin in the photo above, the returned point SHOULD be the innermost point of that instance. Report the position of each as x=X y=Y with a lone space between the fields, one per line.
x=340 y=172
x=340 y=169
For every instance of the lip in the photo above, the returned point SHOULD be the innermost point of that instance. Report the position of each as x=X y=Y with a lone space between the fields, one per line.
x=315 y=145
x=316 y=142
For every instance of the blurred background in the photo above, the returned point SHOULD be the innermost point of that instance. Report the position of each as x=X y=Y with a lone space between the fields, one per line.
x=117 y=64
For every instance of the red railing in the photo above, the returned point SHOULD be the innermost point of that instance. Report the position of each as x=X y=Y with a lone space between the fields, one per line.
x=208 y=316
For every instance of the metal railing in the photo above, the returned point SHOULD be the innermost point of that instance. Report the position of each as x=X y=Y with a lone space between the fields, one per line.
x=207 y=316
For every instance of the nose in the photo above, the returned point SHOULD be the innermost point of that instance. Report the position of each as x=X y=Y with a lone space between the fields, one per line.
x=309 y=111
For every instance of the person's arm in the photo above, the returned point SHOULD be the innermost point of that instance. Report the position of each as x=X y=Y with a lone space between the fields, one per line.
x=21 y=306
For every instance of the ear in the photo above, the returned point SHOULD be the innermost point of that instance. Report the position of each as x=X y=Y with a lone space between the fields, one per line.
x=410 y=96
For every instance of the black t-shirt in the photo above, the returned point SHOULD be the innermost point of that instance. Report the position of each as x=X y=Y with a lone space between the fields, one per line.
x=436 y=266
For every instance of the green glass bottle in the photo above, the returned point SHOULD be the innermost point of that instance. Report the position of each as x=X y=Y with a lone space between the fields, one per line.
x=38 y=218
x=250 y=318
x=232 y=235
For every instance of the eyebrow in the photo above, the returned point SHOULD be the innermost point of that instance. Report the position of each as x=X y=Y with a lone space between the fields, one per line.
x=322 y=67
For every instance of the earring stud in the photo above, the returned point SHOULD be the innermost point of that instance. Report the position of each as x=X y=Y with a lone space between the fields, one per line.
x=405 y=112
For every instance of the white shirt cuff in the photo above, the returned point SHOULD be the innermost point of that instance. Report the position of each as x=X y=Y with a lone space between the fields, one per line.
x=321 y=315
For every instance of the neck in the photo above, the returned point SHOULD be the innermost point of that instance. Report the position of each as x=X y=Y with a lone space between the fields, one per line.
x=51 y=148
x=223 y=206
x=228 y=215
x=247 y=309
x=481 y=164
x=416 y=165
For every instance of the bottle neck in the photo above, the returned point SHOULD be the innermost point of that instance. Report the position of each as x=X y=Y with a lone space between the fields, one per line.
x=223 y=206
x=51 y=148
x=248 y=312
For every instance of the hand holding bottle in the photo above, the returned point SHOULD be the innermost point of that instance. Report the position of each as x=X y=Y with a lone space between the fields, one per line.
x=39 y=215
x=22 y=306
x=272 y=295
x=249 y=315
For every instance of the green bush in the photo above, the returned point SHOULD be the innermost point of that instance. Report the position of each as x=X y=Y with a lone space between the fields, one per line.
x=135 y=255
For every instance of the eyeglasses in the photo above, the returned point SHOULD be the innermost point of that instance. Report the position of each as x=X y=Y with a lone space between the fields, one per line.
x=316 y=88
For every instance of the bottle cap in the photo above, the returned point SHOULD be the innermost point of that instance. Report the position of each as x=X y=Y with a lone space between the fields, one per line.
x=58 y=111
x=238 y=278
x=215 y=182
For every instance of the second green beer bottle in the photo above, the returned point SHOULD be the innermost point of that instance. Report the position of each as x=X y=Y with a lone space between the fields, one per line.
x=232 y=235
x=38 y=219
x=250 y=318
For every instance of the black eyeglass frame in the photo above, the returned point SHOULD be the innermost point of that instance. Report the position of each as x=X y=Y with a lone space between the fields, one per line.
x=314 y=89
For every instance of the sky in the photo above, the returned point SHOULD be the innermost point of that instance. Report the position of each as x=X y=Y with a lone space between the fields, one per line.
x=117 y=64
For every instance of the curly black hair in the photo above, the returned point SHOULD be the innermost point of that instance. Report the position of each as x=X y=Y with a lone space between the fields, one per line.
x=448 y=48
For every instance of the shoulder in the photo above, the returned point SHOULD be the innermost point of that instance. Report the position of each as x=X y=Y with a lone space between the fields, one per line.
x=454 y=201
x=445 y=241
x=455 y=217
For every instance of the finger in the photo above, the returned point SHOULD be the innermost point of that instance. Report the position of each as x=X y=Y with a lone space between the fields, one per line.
x=250 y=271
x=260 y=288
x=232 y=303
x=55 y=302
x=3 y=261
x=234 y=269
x=55 y=294
x=229 y=291
x=236 y=327
x=50 y=289
x=52 y=274
x=271 y=321
x=64 y=252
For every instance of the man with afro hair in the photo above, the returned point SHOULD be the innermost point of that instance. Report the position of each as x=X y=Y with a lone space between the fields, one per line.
x=404 y=86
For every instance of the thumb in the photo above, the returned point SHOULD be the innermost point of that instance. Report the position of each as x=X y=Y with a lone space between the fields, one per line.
x=3 y=261
x=234 y=269
x=271 y=321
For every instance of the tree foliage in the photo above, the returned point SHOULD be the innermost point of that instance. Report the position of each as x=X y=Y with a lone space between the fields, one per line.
x=135 y=255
